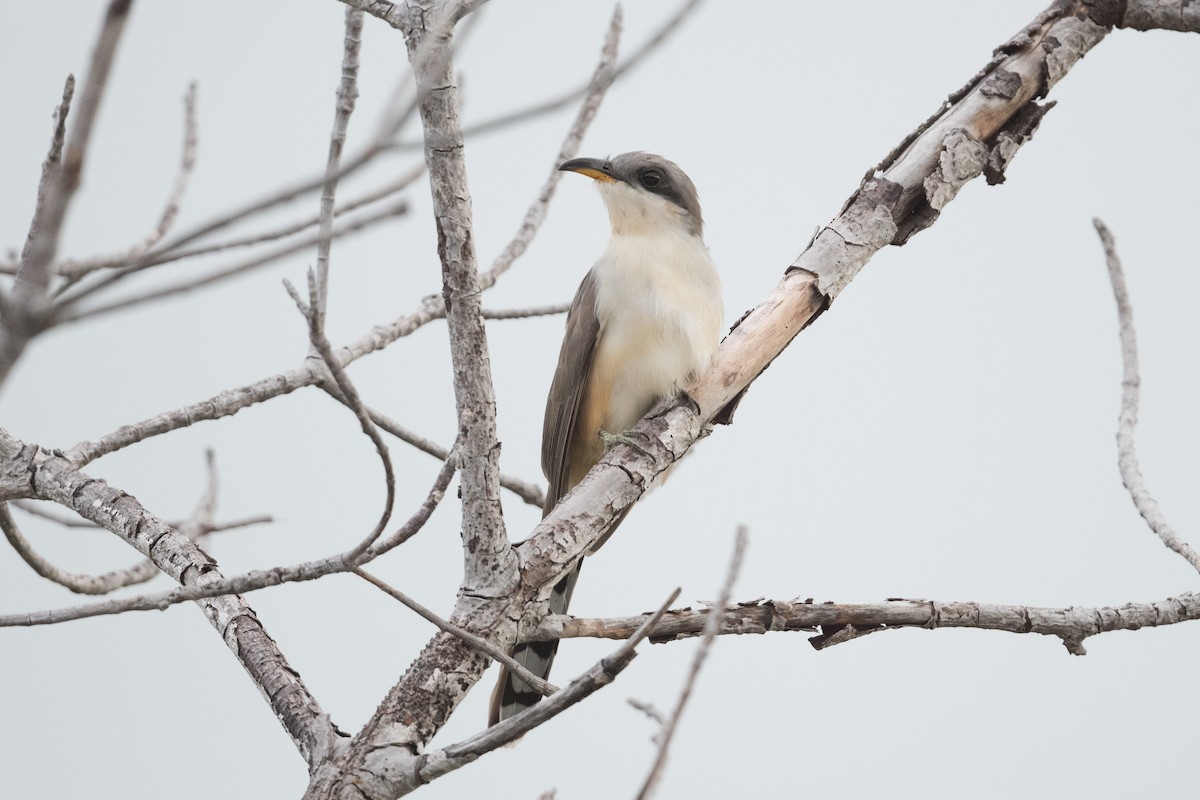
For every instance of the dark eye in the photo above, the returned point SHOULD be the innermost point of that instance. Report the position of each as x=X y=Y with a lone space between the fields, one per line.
x=651 y=178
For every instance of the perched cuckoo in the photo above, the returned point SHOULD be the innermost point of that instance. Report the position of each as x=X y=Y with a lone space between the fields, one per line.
x=644 y=323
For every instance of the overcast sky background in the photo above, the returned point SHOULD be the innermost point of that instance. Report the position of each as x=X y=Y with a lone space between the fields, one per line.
x=944 y=432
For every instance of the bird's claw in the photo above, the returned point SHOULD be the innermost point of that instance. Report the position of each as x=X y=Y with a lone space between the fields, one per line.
x=611 y=440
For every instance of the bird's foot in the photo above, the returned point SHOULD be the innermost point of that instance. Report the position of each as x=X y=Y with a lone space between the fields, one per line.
x=630 y=438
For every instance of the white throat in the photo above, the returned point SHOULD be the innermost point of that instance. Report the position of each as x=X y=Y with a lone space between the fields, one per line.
x=658 y=300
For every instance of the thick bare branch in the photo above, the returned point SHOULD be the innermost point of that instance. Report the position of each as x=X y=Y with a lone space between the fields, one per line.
x=485 y=545
x=1171 y=15
x=1131 y=382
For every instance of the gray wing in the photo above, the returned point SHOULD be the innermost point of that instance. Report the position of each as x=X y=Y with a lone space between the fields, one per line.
x=566 y=390
x=512 y=695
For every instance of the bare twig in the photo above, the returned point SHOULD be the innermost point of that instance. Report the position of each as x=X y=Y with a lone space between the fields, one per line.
x=501 y=121
x=34 y=509
x=179 y=254
x=235 y=524
x=26 y=310
x=68 y=313
x=314 y=313
x=347 y=94
x=212 y=584
x=716 y=613
x=1071 y=625
x=231 y=401
x=39 y=252
x=75 y=269
x=421 y=515
x=439 y=762
x=80 y=583
x=544 y=687
x=50 y=167
x=523 y=313
x=1127 y=460
x=531 y=493
x=594 y=92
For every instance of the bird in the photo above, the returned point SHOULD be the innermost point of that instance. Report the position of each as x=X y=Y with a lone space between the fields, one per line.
x=644 y=323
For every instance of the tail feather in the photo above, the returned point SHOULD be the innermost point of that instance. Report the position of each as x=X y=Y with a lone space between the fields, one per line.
x=512 y=695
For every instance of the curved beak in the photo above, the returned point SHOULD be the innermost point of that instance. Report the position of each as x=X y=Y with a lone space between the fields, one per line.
x=597 y=168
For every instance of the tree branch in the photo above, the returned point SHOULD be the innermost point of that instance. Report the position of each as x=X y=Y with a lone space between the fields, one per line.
x=25 y=311
x=209 y=584
x=717 y=613
x=53 y=478
x=74 y=270
x=67 y=311
x=440 y=762
x=1072 y=625
x=1127 y=460
x=482 y=645
x=347 y=94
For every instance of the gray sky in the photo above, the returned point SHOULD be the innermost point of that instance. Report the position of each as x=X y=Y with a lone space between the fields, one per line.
x=944 y=432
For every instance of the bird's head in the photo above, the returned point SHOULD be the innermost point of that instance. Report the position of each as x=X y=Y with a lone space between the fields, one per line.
x=643 y=192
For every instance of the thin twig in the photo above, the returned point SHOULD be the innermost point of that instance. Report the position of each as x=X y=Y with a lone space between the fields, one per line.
x=50 y=166
x=234 y=524
x=1127 y=461
x=347 y=94
x=32 y=508
x=167 y=257
x=602 y=78
x=39 y=253
x=439 y=762
x=239 y=584
x=315 y=315
x=421 y=515
x=230 y=401
x=74 y=269
x=523 y=313
x=758 y=617
x=80 y=583
x=70 y=314
x=716 y=613
x=539 y=685
x=196 y=527
x=27 y=310
x=531 y=493
x=501 y=121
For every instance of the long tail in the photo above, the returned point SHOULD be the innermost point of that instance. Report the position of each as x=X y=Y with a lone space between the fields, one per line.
x=512 y=695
